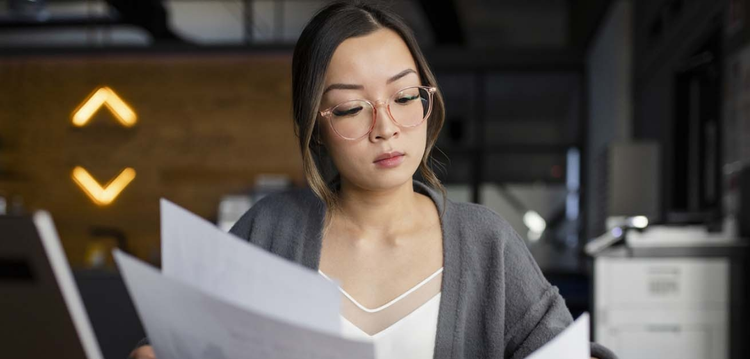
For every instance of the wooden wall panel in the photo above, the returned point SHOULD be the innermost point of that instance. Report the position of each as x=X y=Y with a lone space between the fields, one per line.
x=207 y=126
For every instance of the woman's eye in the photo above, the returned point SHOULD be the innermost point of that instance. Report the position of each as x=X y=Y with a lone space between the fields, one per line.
x=347 y=111
x=406 y=99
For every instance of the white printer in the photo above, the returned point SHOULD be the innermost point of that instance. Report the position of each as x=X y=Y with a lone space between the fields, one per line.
x=668 y=294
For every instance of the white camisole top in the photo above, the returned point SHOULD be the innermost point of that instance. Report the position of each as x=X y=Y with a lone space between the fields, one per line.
x=406 y=335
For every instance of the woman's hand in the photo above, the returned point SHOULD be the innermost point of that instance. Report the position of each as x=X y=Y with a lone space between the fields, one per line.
x=144 y=352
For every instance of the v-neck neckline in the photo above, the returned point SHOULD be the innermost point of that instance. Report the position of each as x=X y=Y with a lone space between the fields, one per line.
x=399 y=322
x=451 y=285
x=391 y=302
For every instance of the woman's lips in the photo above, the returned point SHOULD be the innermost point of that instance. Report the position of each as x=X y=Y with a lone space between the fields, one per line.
x=390 y=160
x=388 y=155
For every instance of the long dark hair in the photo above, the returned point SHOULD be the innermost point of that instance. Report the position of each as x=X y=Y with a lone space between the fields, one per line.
x=332 y=25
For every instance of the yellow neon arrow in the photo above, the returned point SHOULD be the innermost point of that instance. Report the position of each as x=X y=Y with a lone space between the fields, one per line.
x=104 y=96
x=102 y=195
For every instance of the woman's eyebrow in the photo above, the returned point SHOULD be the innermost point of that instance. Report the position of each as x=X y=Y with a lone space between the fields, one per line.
x=343 y=87
x=400 y=75
x=360 y=87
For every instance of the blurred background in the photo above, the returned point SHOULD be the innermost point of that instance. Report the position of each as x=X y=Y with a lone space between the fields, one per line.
x=579 y=121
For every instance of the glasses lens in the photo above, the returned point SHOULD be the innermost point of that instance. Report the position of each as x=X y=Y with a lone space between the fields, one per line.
x=352 y=119
x=410 y=106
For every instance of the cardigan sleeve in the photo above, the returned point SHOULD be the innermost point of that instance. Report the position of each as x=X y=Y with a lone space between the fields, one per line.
x=535 y=310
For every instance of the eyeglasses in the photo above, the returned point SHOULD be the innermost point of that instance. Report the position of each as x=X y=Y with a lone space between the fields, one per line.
x=408 y=107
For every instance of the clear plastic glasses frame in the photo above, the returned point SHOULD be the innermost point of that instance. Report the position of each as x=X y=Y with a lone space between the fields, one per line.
x=329 y=112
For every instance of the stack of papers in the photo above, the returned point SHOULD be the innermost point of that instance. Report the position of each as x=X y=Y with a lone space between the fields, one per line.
x=219 y=297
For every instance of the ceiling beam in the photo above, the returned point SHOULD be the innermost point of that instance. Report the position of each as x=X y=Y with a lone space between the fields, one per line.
x=151 y=15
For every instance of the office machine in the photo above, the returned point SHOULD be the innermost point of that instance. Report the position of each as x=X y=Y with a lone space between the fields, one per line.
x=672 y=298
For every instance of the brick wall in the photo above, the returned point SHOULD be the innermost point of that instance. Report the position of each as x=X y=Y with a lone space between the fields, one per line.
x=207 y=125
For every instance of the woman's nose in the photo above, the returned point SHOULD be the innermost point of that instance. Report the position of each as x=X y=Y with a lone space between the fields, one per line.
x=385 y=127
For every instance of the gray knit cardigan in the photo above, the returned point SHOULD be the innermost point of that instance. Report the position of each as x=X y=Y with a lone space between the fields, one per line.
x=495 y=301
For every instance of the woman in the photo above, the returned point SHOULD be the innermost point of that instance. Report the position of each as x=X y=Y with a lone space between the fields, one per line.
x=422 y=276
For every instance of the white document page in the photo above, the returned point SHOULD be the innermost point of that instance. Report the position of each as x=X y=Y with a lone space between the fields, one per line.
x=572 y=343
x=182 y=322
x=196 y=252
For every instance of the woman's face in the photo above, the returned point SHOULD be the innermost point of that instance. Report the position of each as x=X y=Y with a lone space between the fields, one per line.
x=373 y=67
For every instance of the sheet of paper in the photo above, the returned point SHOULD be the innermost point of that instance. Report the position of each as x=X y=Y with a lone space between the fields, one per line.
x=183 y=322
x=572 y=343
x=196 y=252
